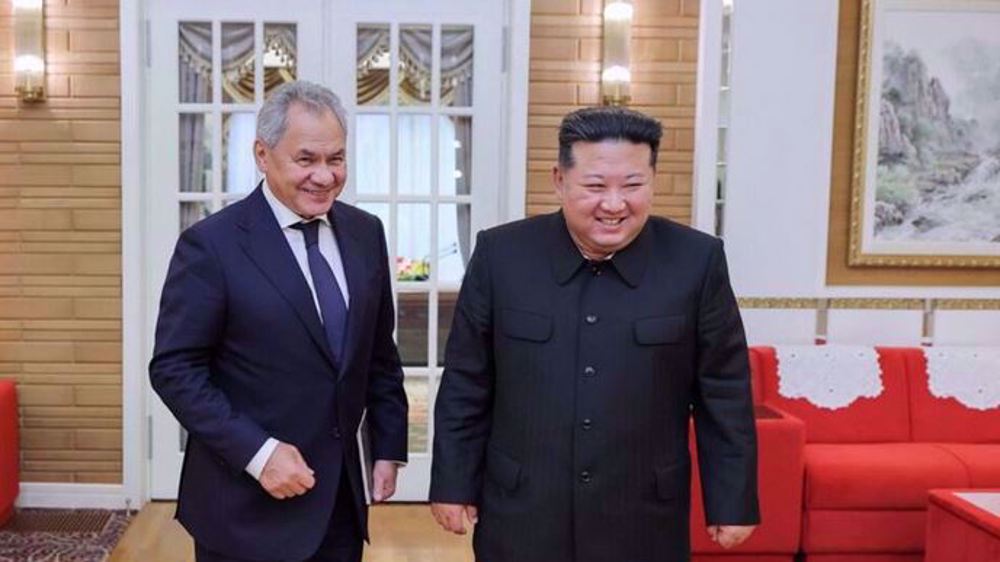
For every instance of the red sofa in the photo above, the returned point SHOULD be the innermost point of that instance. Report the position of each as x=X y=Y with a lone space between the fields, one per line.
x=869 y=464
x=9 y=447
x=780 y=442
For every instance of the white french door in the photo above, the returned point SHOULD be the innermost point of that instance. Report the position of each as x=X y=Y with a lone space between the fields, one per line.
x=422 y=82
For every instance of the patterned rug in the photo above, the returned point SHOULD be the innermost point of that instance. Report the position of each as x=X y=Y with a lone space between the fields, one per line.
x=62 y=535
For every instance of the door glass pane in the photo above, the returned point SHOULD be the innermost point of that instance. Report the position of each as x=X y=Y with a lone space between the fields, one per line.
x=413 y=242
x=194 y=49
x=455 y=152
x=454 y=241
x=192 y=212
x=381 y=210
x=195 y=152
x=373 y=157
x=237 y=63
x=411 y=328
x=373 y=64
x=414 y=153
x=416 y=394
x=280 y=54
x=414 y=65
x=446 y=312
x=239 y=171
x=456 y=65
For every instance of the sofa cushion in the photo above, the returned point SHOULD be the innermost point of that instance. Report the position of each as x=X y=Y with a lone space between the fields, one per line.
x=846 y=531
x=943 y=413
x=878 y=476
x=982 y=462
x=884 y=417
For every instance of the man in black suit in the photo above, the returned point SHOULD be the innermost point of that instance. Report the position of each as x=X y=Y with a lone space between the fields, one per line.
x=274 y=335
x=583 y=342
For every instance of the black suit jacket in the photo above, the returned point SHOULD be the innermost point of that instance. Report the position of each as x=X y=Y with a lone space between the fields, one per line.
x=240 y=355
x=564 y=407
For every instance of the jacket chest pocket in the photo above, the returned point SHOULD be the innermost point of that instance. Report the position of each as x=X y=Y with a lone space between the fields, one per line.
x=526 y=326
x=660 y=330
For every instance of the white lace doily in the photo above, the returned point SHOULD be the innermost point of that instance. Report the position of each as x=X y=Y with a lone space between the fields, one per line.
x=829 y=376
x=970 y=375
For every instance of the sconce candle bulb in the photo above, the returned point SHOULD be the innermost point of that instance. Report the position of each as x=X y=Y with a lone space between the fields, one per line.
x=29 y=50
x=616 y=78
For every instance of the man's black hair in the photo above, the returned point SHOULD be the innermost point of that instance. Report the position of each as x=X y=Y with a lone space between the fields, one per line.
x=596 y=124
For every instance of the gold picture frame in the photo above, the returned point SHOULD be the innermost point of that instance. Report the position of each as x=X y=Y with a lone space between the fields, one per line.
x=900 y=201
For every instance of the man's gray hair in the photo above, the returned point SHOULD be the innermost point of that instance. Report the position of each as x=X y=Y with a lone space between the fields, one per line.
x=272 y=120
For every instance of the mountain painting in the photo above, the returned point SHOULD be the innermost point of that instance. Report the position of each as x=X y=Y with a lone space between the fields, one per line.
x=933 y=133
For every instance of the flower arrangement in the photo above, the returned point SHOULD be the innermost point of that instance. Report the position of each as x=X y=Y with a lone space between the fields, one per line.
x=412 y=270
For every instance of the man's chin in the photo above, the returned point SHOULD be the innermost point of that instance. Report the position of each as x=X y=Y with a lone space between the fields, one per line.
x=313 y=208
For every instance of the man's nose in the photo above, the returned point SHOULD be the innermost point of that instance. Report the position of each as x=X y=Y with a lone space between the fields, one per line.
x=613 y=202
x=323 y=175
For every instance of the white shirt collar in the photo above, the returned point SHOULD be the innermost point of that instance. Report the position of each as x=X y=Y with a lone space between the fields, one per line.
x=286 y=217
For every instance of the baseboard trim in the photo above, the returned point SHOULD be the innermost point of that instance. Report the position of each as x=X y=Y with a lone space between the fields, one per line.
x=54 y=495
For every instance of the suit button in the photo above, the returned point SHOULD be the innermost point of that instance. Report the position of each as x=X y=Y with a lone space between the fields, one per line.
x=591 y=319
x=586 y=424
x=585 y=477
x=335 y=432
x=589 y=371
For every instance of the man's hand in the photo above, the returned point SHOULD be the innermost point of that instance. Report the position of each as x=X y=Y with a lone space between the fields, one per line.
x=449 y=516
x=286 y=473
x=384 y=480
x=729 y=536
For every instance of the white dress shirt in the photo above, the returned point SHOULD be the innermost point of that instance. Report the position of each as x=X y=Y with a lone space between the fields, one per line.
x=296 y=241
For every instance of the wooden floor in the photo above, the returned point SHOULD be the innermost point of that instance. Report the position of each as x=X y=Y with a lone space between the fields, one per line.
x=400 y=533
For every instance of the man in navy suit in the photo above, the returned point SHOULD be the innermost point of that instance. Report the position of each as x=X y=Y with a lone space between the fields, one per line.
x=274 y=335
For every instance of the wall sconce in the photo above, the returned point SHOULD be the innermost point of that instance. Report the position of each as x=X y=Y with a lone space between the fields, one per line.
x=29 y=50
x=615 y=74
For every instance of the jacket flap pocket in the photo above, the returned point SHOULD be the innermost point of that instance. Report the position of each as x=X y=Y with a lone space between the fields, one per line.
x=525 y=325
x=659 y=329
x=672 y=480
x=503 y=469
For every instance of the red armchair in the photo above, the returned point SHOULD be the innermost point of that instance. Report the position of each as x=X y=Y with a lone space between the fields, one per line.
x=780 y=468
x=780 y=441
x=9 y=447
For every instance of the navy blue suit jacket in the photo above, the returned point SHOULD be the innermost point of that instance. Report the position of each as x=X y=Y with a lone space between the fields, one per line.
x=240 y=356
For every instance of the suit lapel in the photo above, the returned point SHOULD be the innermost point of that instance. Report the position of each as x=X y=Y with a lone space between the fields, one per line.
x=267 y=247
x=354 y=269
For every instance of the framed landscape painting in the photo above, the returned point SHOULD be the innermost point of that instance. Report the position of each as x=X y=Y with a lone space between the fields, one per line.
x=926 y=177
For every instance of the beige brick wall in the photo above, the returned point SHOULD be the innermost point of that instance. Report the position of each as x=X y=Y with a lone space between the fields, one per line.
x=565 y=75
x=60 y=225
x=60 y=247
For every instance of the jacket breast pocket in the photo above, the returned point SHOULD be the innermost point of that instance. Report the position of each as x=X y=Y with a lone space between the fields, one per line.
x=524 y=325
x=660 y=330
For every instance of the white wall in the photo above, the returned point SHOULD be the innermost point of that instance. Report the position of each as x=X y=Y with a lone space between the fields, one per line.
x=781 y=118
x=777 y=204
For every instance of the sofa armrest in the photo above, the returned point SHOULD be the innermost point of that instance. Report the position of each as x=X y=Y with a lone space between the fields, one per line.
x=9 y=450
x=780 y=460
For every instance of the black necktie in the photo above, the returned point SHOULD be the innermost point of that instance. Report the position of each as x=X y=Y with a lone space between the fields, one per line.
x=328 y=293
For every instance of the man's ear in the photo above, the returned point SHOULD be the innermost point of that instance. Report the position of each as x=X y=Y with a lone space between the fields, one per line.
x=260 y=155
x=558 y=181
